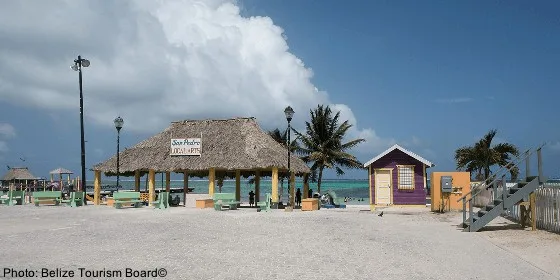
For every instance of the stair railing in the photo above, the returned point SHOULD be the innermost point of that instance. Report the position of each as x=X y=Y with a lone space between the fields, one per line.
x=494 y=179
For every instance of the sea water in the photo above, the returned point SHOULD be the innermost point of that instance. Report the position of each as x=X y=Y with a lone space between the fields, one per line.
x=356 y=190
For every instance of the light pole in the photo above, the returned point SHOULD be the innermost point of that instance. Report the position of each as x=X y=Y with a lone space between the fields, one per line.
x=77 y=66
x=118 y=125
x=289 y=112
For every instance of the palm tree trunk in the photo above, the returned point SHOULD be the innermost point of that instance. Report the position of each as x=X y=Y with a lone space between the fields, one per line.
x=319 y=179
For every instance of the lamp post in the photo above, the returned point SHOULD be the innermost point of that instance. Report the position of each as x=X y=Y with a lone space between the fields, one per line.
x=118 y=125
x=289 y=112
x=77 y=66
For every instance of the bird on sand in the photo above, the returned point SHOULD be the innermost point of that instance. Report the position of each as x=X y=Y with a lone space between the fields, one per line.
x=380 y=214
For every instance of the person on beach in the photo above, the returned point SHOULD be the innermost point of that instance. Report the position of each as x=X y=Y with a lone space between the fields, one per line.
x=298 y=197
x=251 y=198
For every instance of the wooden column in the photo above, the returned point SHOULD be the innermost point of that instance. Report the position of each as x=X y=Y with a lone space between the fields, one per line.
x=137 y=180
x=185 y=187
x=533 y=205
x=275 y=185
x=151 y=186
x=292 y=189
x=211 y=181
x=257 y=186
x=167 y=181
x=371 y=202
x=96 y=187
x=238 y=185
x=306 y=185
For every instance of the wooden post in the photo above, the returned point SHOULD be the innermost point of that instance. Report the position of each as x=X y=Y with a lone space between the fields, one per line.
x=306 y=185
x=151 y=186
x=275 y=185
x=257 y=186
x=211 y=179
x=167 y=181
x=185 y=187
x=533 y=202
x=96 y=187
x=292 y=189
x=238 y=185
x=371 y=202
x=137 y=180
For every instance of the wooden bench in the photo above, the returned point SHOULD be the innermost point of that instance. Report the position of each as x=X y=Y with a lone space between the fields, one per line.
x=50 y=196
x=265 y=205
x=18 y=196
x=120 y=198
x=162 y=201
x=225 y=199
x=76 y=199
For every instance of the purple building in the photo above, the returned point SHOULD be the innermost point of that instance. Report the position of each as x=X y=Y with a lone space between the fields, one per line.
x=397 y=177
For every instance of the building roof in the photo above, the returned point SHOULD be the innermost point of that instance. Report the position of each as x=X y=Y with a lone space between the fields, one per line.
x=397 y=147
x=230 y=144
x=61 y=170
x=18 y=173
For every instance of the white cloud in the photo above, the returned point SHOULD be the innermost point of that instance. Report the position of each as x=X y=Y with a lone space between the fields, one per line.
x=555 y=146
x=7 y=130
x=454 y=100
x=4 y=147
x=157 y=61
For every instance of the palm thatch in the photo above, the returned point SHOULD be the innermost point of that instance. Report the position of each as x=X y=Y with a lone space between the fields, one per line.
x=61 y=170
x=18 y=173
x=227 y=145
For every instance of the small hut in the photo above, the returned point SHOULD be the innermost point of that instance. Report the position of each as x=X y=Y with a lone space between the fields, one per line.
x=61 y=171
x=206 y=148
x=18 y=176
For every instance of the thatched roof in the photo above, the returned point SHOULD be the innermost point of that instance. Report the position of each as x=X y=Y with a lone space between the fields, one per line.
x=61 y=170
x=18 y=173
x=227 y=145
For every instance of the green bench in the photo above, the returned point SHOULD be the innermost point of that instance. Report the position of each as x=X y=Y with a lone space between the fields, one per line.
x=120 y=198
x=225 y=200
x=76 y=199
x=54 y=196
x=18 y=196
x=265 y=205
x=162 y=201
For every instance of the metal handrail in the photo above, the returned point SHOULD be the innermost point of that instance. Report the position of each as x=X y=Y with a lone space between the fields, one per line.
x=494 y=176
x=528 y=154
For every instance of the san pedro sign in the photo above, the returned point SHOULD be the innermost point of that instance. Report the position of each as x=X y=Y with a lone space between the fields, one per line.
x=185 y=147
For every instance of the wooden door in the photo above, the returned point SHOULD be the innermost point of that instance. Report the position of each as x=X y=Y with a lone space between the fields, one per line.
x=383 y=187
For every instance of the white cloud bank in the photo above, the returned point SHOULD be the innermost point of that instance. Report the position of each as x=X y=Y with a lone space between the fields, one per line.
x=156 y=61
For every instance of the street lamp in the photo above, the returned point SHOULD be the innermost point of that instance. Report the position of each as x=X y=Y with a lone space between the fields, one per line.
x=77 y=66
x=118 y=125
x=289 y=112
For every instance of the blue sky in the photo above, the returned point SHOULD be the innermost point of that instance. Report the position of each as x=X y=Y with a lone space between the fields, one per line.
x=430 y=75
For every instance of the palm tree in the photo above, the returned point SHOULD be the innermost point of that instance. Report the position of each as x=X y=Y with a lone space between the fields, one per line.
x=322 y=144
x=483 y=155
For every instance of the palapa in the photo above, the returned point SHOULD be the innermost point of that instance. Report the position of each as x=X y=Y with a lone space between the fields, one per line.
x=18 y=173
x=61 y=170
x=227 y=145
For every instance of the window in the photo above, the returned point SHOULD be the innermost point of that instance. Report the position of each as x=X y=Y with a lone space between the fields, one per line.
x=406 y=177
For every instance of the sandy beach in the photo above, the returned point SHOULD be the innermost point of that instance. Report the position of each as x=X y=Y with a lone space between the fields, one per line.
x=353 y=243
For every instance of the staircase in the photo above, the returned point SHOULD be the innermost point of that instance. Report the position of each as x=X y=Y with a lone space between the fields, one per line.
x=503 y=198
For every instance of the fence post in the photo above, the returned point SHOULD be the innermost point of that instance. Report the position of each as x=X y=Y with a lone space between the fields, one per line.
x=470 y=214
x=539 y=166
x=533 y=202
x=464 y=210
x=504 y=191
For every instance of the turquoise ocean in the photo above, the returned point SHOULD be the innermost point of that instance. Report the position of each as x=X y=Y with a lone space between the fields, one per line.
x=356 y=190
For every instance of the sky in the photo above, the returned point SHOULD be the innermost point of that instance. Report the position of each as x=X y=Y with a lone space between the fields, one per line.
x=431 y=76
